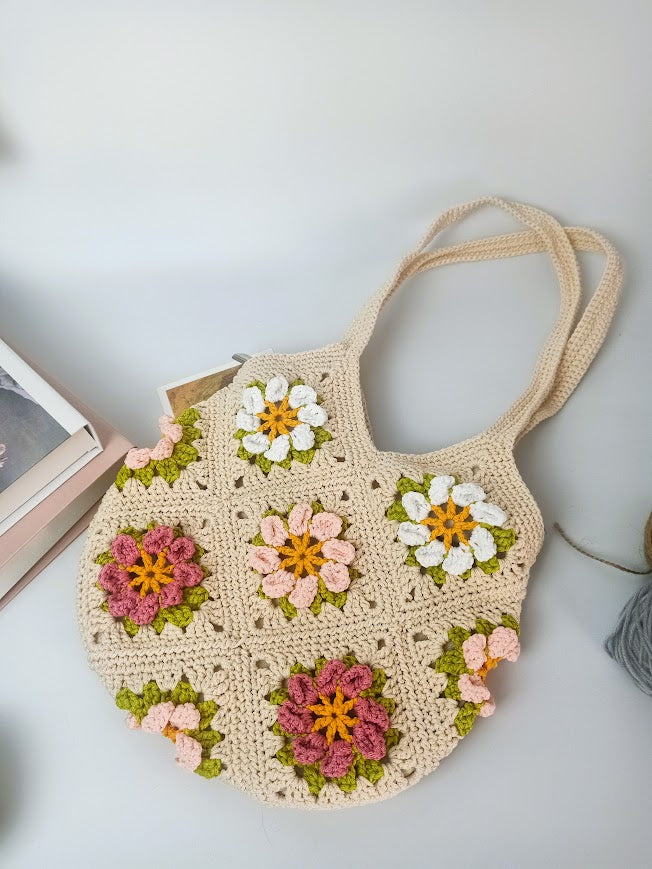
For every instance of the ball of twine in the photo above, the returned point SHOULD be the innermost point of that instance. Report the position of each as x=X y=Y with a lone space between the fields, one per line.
x=630 y=643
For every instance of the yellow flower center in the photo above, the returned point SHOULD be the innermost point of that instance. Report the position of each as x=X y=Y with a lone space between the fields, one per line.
x=301 y=557
x=448 y=523
x=278 y=419
x=152 y=574
x=489 y=664
x=332 y=716
x=170 y=731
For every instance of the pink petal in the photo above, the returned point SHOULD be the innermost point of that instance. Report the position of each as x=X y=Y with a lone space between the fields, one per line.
x=157 y=717
x=186 y=716
x=132 y=722
x=472 y=689
x=112 y=578
x=137 y=458
x=163 y=449
x=474 y=652
x=302 y=690
x=339 y=550
x=263 y=559
x=125 y=550
x=273 y=531
x=336 y=576
x=304 y=592
x=369 y=711
x=171 y=429
x=157 y=539
x=299 y=518
x=181 y=549
x=309 y=749
x=123 y=602
x=369 y=741
x=330 y=676
x=294 y=719
x=338 y=760
x=188 y=752
x=188 y=574
x=278 y=584
x=325 y=525
x=172 y=593
x=488 y=708
x=355 y=680
x=145 y=610
x=503 y=643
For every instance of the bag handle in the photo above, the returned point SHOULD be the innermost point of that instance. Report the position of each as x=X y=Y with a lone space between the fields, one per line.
x=565 y=356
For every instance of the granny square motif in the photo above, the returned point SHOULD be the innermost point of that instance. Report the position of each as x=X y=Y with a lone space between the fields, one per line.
x=300 y=613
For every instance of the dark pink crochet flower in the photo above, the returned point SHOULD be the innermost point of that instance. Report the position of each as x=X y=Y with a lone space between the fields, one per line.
x=157 y=539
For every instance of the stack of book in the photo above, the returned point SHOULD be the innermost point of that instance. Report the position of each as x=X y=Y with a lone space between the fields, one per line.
x=57 y=458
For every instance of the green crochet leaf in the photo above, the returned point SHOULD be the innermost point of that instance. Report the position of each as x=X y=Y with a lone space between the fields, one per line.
x=151 y=693
x=286 y=755
x=504 y=538
x=392 y=738
x=130 y=627
x=210 y=767
x=286 y=463
x=278 y=696
x=466 y=574
x=411 y=559
x=451 y=662
x=378 y=682
x=145 y=475
x=297 y=382
x=299 y=668
x=206 y=738
x=261 y=593
x=190 y=434
x=104 y=558
x=183 y=692
x=168 y=469
x=122 y=476
x=257 y=540
x=277 y=730
x=303 y=456
x=314 y=779
x=133 y=532
x=315 y=606
x=389 y=703
x=262 y=386
x=458 y=635
x=244 y=454
x=452 y=690
x=347 y=783
x=188 y=417
x=489 y=567
x=322 y=436
x=184 y=454
x=264 y=464
x=104 y=605
x=288 y=609
x=397 y=512
x=320 y=663
x=317 y=507
x=207 y=710
x=241 y=432
x=195 y=596
x=483 y=626
x=130 y=702
x=510 y=622
x=179 y=615
x=405 y=484
x=337 y=599
x=437 y=573
x=372 y=770
x=349 y=660
x=159 y=622
x=465 y=718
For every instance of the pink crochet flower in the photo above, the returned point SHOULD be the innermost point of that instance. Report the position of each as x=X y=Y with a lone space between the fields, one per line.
x=172 y=720
x=148 y=576
x=474 y=651
x=503 y=643
x=473 y=689
x=302 y=553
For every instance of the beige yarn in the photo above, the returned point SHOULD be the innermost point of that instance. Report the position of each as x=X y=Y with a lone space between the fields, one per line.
x=238 y=648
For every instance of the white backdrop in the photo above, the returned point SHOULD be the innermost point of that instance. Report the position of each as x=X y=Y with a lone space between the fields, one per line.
x=181 y=181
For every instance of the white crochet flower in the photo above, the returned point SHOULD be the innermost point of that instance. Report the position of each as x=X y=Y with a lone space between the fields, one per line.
x=446 y=526
x=276 y=418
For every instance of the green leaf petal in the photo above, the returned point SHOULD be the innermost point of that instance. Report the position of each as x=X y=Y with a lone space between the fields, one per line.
x=314 y=779
x=258 y=540
x=169 y=470
x=315 y=606
x=321 y=436
x=183 y=692
x=389 y=703
x=504 y=538
x=104 y=558
x=104 y=606
x=259 y=383
x=372 y=770
x=378 y=682
x=188 y=417
x=145 y=475
x=405 y=484
x=286 y=463
x=489 y=567
x=285 y=755
x=184 y=454
x=320 y=663
x=458 y=635
x=303 y=456
x=452 y=690
x=392 y=738
x=337 y=599
x=159 y=622
x=151 y=693
x=466 y=574
x=349 y=660
x=288 y=609
x=299 y=668
x=277 y=730
x=278 y=696
x=465 y=718
x=122 y=476
x=207 y=710
x=244 y=454
x=510 y=622
x=241 y=432
x=210 y=767
x=397 y=512
x=195 y=596
x=451 y=662
x=317 y=507
x=130 y=627
x=347 y=783
x=130 y=702
x=136 y=533
x=264 y=464
x=206 y=738
x=411 y=559
x=179 y=615
x=483 y=626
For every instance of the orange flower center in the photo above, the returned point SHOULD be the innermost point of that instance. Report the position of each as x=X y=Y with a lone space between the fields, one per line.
x=301 y=557
x=333 y=717
x=449 y=523
x=278 y=419
x=489 y=664
x=170 y=731
x=151 y=575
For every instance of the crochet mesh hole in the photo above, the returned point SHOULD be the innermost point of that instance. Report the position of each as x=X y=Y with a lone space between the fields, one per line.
x=323 y=377
x=419 y=637
x=375 y=484
x=408 y=772
x=239 y=483
x=345 y=496
x=202 y=486
x=372 y=604
x=280 y=795
x=259 y=623
x=217 y=628
x=340 y=459
x=381 y=644
x=475 y=470
x=217 y=668
x=262 y=665
x=242 y=515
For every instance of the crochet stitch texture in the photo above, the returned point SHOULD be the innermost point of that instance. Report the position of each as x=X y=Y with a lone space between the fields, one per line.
x=392 y=659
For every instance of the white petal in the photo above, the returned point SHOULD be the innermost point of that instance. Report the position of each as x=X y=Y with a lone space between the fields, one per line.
x=302 y=394
x=246 y=421
x=458 y=560
x=439 y=487
x=256 y=443
x=431 y=554
x=279 y=449
x=303 y=437
x=252 y=400
x=465 y=493
x=313 y=414
x=491 y=514
x=482 y=543
x=276 y=388
x=415 y=505
x=411 y=534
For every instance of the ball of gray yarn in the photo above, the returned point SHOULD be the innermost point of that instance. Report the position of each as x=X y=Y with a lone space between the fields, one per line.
x=631 y=642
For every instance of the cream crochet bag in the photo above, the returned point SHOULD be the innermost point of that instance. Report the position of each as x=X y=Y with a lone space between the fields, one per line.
x=308 y=616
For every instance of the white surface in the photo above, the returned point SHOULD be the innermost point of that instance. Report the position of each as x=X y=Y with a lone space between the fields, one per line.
x=171 y=171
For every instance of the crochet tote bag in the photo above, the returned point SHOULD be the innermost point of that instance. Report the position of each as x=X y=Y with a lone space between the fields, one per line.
x=300 y=613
